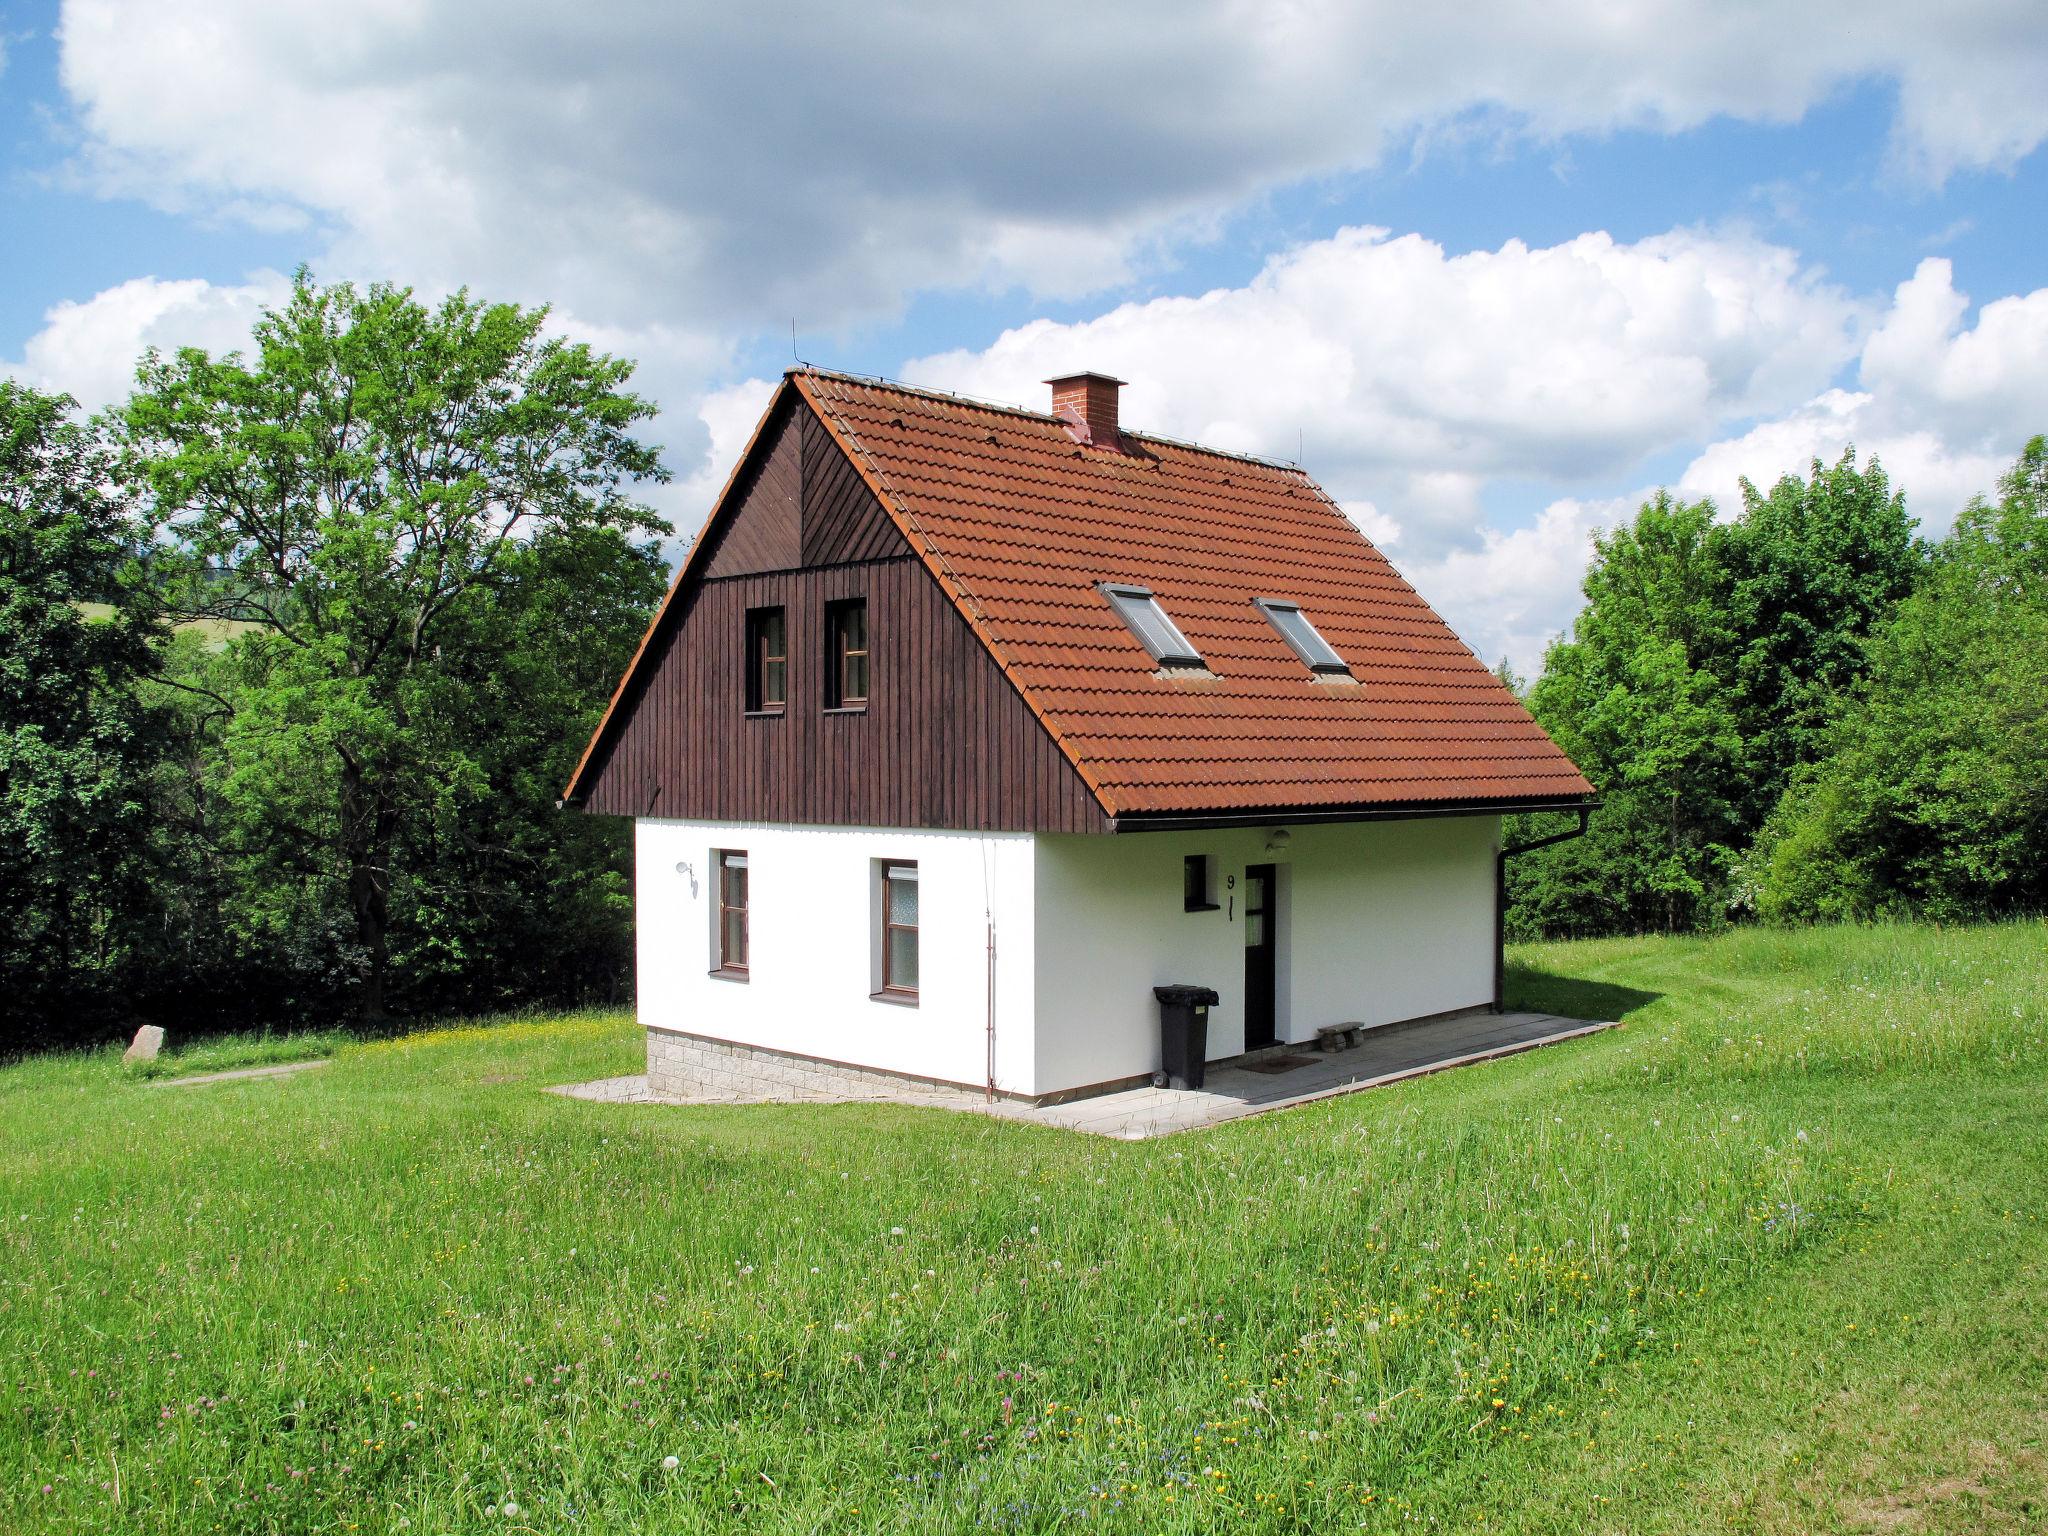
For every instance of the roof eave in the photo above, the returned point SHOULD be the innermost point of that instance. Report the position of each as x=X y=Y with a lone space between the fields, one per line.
x=1321 y=815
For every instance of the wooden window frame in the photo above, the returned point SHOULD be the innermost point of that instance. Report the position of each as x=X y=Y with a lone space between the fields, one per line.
x=758 y=657
x=890 y=990
x=741 y=969
x=1198 y=890
x=837 y=700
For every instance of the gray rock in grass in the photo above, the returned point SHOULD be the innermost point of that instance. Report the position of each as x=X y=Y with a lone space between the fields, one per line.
x=148 y=1041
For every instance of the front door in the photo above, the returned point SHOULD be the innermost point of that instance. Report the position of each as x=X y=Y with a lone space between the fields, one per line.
x=1261 y=945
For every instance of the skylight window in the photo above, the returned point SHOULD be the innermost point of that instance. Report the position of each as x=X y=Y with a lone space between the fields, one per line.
x=1138 y=608
x=1301 y=636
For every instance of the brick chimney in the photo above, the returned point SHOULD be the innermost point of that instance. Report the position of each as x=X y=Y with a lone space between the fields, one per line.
x=1086 y=402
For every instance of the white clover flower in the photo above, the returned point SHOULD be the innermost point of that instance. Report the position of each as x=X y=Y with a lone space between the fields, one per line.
x=670 y=1463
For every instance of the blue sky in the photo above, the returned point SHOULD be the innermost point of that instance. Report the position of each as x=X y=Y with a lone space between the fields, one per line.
x=1672 y=250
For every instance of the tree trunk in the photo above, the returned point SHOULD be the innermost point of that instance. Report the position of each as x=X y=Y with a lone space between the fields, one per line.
x=1671 y=896
x=368 y=827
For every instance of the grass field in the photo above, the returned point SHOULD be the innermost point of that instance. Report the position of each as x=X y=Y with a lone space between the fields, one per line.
x=1771 y=1258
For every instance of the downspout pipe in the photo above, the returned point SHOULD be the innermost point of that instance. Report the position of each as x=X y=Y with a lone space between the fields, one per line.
x=1500 y=897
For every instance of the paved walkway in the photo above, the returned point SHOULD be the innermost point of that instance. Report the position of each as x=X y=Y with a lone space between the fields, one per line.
x=1233 y=1089
x=240 y=1074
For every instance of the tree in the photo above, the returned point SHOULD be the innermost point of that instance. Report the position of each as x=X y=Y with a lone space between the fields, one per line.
x=1701 y=678
x=1933 y=798
x=1636 y=697
x=1814 y=567
x=391 y=493
x=78 y=745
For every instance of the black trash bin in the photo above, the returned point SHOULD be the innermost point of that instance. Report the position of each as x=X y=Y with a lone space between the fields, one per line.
x=1184 y=1032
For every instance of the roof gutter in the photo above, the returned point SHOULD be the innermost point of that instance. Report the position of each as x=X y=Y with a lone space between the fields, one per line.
x=1298 y=816
x=1500 y=895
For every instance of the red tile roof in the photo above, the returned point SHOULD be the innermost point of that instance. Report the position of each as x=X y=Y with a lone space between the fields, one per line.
x=1020 y=523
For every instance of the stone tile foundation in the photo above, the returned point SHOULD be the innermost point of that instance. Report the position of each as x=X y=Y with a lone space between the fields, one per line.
x=691 y=1067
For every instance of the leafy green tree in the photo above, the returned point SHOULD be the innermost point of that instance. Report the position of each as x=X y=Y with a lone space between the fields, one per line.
x=1702 y=675
x=504 y=899
x=78 y=745
x=1934 y=797
x=1814 y=567
x=421 y=510
x=1636 y=697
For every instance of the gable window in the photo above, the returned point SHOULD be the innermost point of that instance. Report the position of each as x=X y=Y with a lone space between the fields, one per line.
x=846 y=655
x=767 y=661
x=1197 y=883
x=1139 y=609
x=732 y=913
x=1301 y=636
x=899 y=930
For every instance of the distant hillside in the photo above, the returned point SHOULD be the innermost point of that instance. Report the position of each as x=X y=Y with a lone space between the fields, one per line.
x=219 y=633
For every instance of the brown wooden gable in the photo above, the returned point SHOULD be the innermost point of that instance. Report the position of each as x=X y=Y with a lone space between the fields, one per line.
x=946 y=740
x=764 y=532
x=800 y=502
x=842 y=521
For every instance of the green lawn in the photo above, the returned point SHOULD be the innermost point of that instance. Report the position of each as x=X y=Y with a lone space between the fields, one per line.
x=1769 y=1258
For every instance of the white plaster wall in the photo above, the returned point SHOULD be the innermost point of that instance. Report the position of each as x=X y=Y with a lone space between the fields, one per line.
x=810 y=938
x=1391 y=920
x=1380 y=921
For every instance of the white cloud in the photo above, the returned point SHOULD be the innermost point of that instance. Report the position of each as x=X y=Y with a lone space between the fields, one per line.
x=1383 y=530
x=1987 y=384
x=1937 y=476
x=1945 y=409
x=1515 y=590
x=1409 y=378
x=720 y=168
x=88 y=349
x=723 y=422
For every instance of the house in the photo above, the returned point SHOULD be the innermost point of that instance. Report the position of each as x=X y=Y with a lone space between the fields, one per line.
x=962 y=727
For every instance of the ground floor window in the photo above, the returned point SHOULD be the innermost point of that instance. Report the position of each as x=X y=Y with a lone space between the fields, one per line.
x=899 y=929
x=732 y=912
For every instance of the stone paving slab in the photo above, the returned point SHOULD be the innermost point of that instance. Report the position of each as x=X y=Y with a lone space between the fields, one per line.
x=637 y=1090
x=1389 y=1054
x=241 y=1074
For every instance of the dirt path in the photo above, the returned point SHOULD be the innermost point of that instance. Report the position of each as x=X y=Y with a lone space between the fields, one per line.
x=283 y=1070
